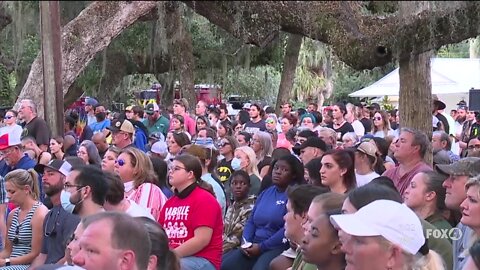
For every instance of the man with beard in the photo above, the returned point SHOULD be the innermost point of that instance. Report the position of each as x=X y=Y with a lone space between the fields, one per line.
x=59 y=224
x=155 y=121
x=85 y=191
x=102 y=121
x=464 y=123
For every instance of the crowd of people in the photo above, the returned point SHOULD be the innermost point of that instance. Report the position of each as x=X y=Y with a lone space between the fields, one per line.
x=154 y=187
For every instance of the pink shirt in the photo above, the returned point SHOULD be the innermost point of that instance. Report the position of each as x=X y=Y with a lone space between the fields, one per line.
x=189 y=123
x=403 y=181
x=149 y=196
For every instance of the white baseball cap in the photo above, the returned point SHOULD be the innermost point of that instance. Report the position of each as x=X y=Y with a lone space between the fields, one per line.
x=392 y=220
x=159 y=147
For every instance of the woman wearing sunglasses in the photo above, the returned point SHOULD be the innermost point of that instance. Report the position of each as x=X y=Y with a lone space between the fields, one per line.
x=24 y=223
x=136 y=171
x=381 y=125
x=11 y=126
x=192 y=218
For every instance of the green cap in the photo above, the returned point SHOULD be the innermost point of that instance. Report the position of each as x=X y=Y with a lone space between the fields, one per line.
x=469 y=166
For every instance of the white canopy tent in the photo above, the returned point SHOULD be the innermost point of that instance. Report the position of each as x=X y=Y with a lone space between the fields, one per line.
x=452 y=78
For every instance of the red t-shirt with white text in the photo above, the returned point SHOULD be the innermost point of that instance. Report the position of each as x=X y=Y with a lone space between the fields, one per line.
x=180 y=217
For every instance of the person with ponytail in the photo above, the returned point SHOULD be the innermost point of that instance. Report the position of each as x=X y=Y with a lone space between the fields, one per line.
x=192 y=218
x=24 y=223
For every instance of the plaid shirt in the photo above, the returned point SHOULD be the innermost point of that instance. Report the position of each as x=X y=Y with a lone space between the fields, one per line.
x=235 y=220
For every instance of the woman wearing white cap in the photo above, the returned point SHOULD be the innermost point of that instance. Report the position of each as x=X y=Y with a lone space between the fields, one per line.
x=384 y=234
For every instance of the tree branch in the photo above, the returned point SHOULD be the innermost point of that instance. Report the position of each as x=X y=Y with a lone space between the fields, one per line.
x=82 y=38
x=361 y=40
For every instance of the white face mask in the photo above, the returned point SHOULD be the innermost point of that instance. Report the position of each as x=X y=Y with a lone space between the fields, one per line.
x=65 y=201
x=236 y=164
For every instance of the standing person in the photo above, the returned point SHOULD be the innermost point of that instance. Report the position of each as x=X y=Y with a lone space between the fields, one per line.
x=264 y=234
x=352 y=118
x=180 y=107
x=90 y=104
x=340 y=125
x=256 y=122
x=59 y=224
x=192 y=218
x=101 y=123
x=11 y=126
x=34 y=125
x=238 y=212
x=411 y=148
x=24 y=223
x=155 y=121
x=201 y=108
x=363 y=114
x=122 y=133
x=381 y=125
x=56 y=147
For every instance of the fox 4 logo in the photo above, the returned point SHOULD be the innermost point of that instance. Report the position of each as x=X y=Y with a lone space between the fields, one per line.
x=451 y=234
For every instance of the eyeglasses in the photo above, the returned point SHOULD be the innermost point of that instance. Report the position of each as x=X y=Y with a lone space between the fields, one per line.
x=53 y=231
x=67 y=186
x=476 y=147
x=176 y=168
x=222 y=144
x=120 y=162
x=377 y=118
x=9 y=116
x=270 y=121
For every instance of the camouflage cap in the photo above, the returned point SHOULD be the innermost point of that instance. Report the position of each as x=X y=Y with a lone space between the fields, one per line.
x=469 y=166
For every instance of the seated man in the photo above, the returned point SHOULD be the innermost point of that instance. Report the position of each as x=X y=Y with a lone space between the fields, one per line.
x=112 y=241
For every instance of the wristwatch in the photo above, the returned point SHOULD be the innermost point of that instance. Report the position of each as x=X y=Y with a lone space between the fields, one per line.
x=7 y=262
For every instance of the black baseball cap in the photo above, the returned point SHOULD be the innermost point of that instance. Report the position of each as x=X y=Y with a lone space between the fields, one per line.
x=58 y=165
x=311 y=142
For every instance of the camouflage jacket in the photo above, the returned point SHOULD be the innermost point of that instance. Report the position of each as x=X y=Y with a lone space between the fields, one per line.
x=235 y=220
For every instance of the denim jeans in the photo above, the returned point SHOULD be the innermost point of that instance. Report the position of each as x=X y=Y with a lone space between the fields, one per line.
x=195 y=263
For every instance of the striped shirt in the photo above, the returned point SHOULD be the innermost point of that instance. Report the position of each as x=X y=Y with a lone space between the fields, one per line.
x=149 y=196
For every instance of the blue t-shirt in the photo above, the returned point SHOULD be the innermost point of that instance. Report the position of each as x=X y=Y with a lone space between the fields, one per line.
x=100 y=126
x=268 y=230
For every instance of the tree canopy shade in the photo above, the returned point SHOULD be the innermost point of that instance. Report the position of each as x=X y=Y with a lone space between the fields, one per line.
x=360 y=37
x=83 y=37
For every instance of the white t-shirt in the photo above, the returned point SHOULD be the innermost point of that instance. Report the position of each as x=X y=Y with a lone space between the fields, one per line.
x=381 y=133
x=358 y=128
x=136 y=210
x=365 y=179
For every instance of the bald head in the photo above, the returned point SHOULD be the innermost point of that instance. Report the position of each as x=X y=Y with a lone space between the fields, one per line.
x=100 y=141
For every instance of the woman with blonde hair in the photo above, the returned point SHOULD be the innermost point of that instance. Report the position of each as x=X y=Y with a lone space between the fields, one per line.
x=136 y=171
x=262 y=145
x=24 y=223
x=246 y=160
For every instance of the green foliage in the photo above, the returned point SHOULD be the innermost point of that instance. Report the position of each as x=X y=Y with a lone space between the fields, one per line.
x=458 y=50
x=5 y=91
x=258 y=83
x=347 y=80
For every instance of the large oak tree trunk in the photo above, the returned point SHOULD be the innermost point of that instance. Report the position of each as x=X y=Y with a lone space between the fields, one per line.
x=82 y=38
x=416 y=94
x=181 y=50
x=290 y=61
